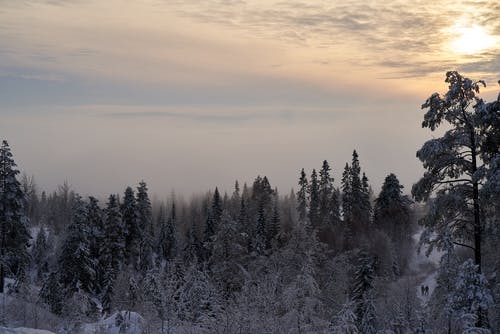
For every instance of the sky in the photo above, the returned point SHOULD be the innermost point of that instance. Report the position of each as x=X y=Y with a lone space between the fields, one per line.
x=189 y=95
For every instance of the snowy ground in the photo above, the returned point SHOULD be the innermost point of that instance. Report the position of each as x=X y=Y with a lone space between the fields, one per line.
x=132 y=324
x=424 y=269
x=22 y=330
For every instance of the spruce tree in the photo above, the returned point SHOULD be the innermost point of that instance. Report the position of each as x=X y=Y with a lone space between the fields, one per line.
x=366 y=205
x=346 y=321
x=362 y=284
x=471 y=294
x=77 y=269
x=259 y=240
x=274 y=226
x=346 y=194
x=51 y=294
x=167 y=238
x=113 y=247
x=193 y=251
x=132 y=227
x=14 y=236
x=302 y=195
x=314 y=200
x=392 y=209
x=359 y=210
x=325 y=194
x=244 y=225
x=146 y=227
x=40 y=253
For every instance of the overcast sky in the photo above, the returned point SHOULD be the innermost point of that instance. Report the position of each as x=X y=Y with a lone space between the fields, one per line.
x=190 y=94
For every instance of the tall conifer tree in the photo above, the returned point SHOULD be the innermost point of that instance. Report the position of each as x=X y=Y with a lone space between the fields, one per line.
x=14 y=236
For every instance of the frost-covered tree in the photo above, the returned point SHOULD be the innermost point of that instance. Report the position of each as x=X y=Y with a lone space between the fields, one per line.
x=302 y=298
x=198 y=299
x=445 y=281
x=392 y=215
x=51 y=293
x=77 y=269
x=113 y=247
x=40 y=253
x=456 y=165
x=346 y=321
x=260 y=235
x=362 y=284
x=452 y=162
x=470 y=295
x=302 y=196
x=367 y=325
x=392 y=209
x=14 y=236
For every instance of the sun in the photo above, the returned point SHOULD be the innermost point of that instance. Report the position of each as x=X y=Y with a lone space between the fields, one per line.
x=472 y=39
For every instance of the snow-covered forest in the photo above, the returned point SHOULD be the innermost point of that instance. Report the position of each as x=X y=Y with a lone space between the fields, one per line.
x=330 y=256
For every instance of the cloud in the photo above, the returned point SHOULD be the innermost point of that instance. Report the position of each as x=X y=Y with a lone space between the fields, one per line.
x=402 y=32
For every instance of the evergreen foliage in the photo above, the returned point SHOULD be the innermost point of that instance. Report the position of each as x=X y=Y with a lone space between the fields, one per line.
x=302 y=196
x=14 y=236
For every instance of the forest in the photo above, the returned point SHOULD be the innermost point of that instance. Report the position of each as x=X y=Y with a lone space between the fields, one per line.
x=330 y=256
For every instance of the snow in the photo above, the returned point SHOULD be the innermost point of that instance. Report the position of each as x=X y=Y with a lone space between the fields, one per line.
x=22 y=330
x=133 y=324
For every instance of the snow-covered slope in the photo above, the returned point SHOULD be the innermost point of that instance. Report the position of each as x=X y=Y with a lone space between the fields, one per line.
x=130 y=322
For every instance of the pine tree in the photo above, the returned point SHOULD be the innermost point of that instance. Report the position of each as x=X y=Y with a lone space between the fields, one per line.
x=457 y=165
x=302 y=196
x=132 y=227
x=314 y=200
x=14 y=236
x=76 y=267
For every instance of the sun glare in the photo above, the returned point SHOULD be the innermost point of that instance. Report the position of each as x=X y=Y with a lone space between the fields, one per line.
x=471 y=40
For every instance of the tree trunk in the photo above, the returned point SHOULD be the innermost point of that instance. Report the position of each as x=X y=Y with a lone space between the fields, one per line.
x=477 y=219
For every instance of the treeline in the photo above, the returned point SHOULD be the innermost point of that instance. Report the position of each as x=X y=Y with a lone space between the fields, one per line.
x=191 y=263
